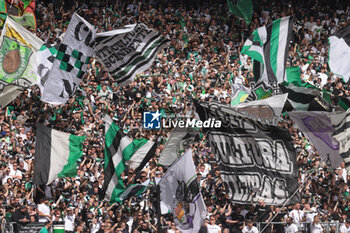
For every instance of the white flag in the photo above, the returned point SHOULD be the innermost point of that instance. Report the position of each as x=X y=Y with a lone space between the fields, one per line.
x=69 y=64
x=181 y=195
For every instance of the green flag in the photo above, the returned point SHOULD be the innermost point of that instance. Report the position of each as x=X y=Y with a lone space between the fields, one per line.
x=293 y=74
x=241 y=8
x=240 y=98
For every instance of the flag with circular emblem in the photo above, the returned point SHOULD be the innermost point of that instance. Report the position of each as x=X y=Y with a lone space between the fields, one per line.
x=18 y=49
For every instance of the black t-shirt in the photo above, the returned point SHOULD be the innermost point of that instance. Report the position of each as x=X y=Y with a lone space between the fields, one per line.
x=262 y=213
x=238 y=217
x=17 y=215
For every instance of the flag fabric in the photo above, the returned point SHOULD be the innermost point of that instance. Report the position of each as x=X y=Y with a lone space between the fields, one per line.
x=27 y=20
x=180 y=139
x=3 y=13
x=22 y=13
x=259 y=91
x=269 y=45
x=70 y=63
x=128 y=51
x=344 y=102
x=181 y=195
x=252 y=158
x=339 y=53
x=120 y=150
x=300 y=95
x=134 y=190
x=239 y=97
x=239 y=92
x=266 y=111
x=18 y=54
x=241 y=8
x=317 y=127
x=56 y=154
x=341 y=125
x=46 y=57
x=293 y=74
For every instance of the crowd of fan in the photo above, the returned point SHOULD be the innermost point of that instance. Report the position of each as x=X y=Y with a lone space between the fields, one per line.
x=202 y=62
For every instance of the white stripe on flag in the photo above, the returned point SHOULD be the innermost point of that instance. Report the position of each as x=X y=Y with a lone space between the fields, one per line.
x=59 y=153
x=140 y=154
x=283 y=37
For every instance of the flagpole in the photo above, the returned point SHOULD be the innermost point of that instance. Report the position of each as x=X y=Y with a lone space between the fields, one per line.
x=159 y=225
x=285 y=203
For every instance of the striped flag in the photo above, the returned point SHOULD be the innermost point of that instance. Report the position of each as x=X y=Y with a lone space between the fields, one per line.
x=269 y=45
x=120 y=150
x=128 y=51
x=339 y=53
x=300 y=95
x=56 y=154
x=341 y=123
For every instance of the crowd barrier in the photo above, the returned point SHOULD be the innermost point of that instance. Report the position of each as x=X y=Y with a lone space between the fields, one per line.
x=11 y=227
x=328 y=227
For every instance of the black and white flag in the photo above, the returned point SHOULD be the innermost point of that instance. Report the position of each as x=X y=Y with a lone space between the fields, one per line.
x=128 y=51
x=269 y=46
x=179 y=140
x=256 y=161
x=341 y=123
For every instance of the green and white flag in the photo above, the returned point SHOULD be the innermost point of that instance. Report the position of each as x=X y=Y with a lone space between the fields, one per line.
x=69 y=64
x=17 y=60
x=241 y=8
x=120 y=150
x=269 y=45
x=56 y=154
x=240 y=97
x=300 y=95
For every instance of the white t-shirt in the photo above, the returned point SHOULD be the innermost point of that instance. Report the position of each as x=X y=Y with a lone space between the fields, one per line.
x=213 y=228
x=292 y=228
x=45 y=210
x=344 y=229
x=246 y=229
x=317 y=228
x=69 y=222
x=297 y=215
x=15 y=173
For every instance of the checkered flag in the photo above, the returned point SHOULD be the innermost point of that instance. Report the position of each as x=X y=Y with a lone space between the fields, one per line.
x=72 y=60
x=62 y=68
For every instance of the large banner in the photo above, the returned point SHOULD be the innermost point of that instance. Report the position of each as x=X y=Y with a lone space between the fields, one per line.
x=62 y=74
x=128 y=51
x=318 y=128
x=256 y=161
